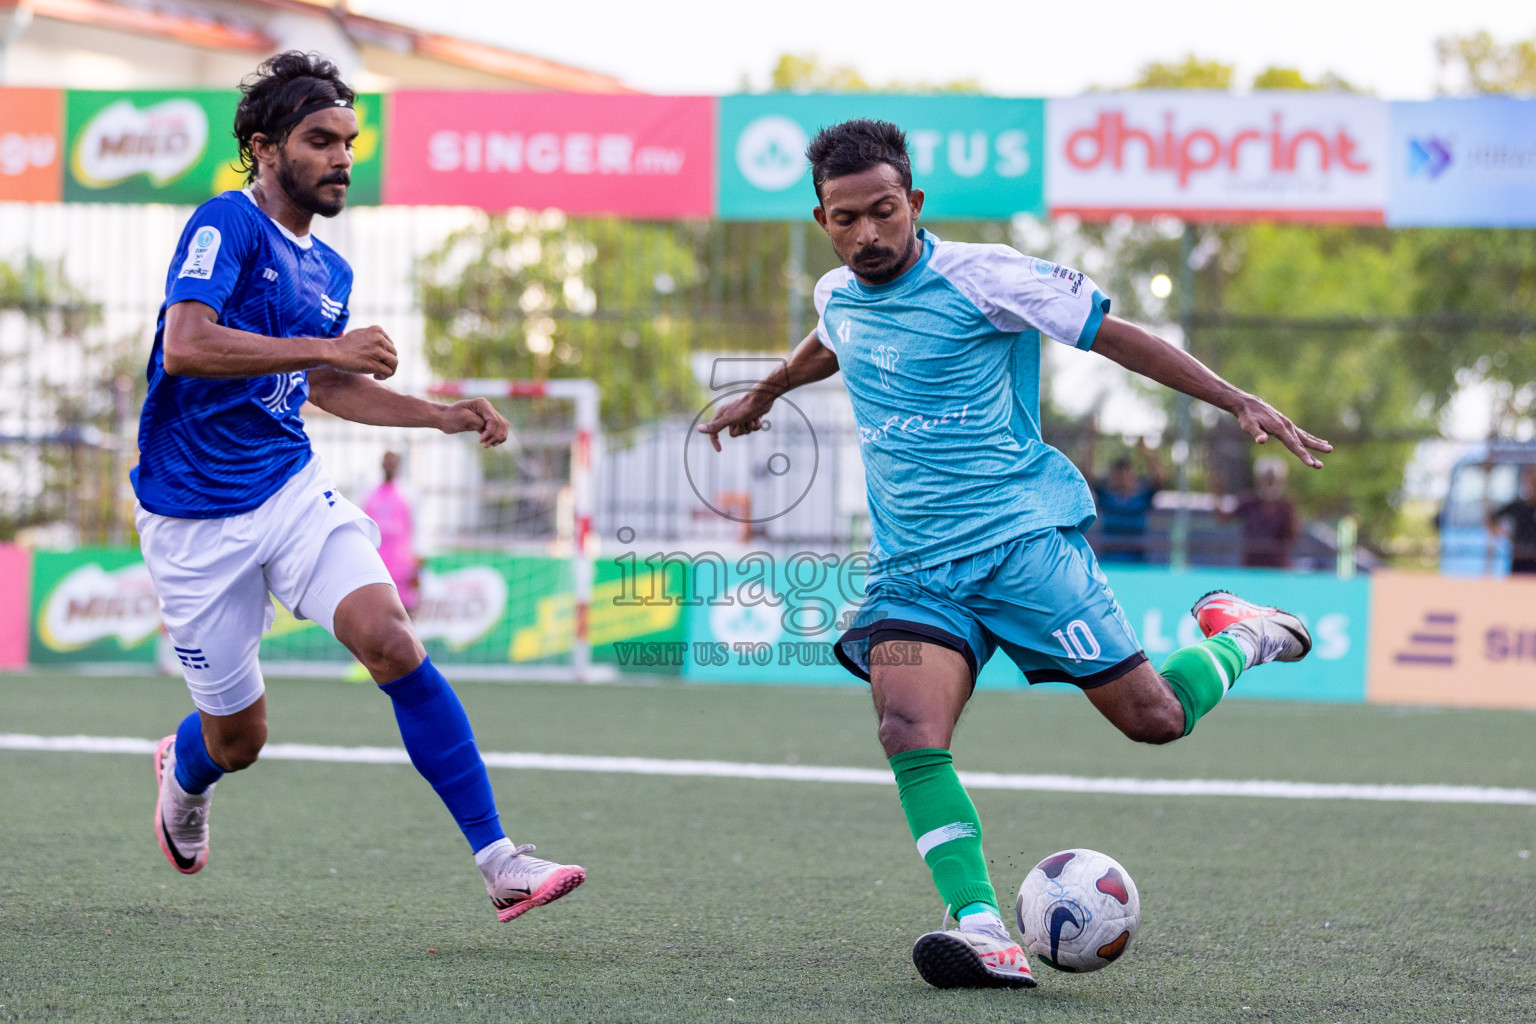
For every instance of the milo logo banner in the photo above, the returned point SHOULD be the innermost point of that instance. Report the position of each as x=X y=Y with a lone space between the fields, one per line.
x=483 y=608
x=178 y=147
x=92 y=605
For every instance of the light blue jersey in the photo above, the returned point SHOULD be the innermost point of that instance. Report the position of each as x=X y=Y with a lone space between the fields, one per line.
x=943 y=368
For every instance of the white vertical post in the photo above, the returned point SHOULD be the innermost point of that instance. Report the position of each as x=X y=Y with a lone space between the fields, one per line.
x=585 y=395
x=583 y=471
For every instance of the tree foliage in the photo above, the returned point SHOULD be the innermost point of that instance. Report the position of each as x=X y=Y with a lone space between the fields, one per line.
x=1190 y=73
x=806 y=72
x=1480 y=64
x=63 y=431
x=533 y=295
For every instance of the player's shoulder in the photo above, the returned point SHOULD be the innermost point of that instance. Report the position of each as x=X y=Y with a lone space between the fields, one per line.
x=232 y=208
x=223 y=222
x=829 y=283
x=969 y=259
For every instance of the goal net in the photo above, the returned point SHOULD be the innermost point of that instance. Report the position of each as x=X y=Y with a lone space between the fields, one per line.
x=503 y=534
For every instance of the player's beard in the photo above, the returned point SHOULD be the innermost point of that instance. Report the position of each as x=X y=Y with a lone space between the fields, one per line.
x=307 y=197
x=879 y=264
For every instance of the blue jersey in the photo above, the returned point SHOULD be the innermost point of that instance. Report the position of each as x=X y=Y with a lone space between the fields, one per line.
x=943 y=368
x=215 y=448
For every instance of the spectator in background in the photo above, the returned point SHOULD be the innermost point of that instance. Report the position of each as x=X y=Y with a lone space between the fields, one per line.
x=388 y=507
x=1123 y=502
x=1517 y=521
x=1267 y=515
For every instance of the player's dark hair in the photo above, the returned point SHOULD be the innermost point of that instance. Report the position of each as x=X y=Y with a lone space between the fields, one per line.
x=283 y=84
x=855 y=146
x=1123 y=462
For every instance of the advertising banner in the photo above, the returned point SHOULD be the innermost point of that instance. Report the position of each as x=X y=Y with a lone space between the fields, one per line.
x=628 y=155
x=165 y=146
x=1214 y=157
x=973 y=156
x=485 y=608
x=1337 y=612
x=790 y=641
x=1463 y=163
x=31 y=145
x=1454 y=642
x=93 y=604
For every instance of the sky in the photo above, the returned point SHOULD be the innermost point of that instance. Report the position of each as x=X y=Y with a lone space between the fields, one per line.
x=1014 y=47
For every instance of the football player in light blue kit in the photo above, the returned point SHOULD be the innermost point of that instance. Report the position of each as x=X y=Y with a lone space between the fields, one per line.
x=234 y=506
x=977 y=523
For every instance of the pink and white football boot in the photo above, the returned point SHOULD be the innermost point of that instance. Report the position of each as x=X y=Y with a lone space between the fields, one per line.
x=980 y=955
x=181 y=818
x=1265 y=634
x=518 y=883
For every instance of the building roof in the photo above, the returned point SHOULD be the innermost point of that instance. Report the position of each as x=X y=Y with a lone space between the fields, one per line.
x=239 y=25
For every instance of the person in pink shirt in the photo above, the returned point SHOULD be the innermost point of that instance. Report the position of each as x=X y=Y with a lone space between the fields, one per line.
x=388 y=507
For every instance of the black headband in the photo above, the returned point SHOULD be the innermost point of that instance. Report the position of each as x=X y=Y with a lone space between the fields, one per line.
x=306 y=110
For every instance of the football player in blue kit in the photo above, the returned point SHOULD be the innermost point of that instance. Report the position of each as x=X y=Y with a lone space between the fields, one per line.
x=977 y=523
x=233 y=505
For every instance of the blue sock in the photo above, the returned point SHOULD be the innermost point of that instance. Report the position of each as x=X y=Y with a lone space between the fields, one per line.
x=195 y=770
x=442 y=747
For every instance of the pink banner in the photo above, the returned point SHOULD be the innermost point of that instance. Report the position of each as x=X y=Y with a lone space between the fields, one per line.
x=629 y=155
x=15 y=604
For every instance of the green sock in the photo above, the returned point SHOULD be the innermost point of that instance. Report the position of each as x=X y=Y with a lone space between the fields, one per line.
x=1202 y=674
x=945 y=825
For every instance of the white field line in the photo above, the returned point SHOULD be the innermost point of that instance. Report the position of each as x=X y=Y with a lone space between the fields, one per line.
x=1428 y=794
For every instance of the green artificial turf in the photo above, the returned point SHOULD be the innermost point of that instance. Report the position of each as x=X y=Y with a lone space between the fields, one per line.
x=330 y=885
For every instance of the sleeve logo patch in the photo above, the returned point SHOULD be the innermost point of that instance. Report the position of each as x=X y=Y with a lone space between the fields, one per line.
x=1062 y=278
x=202 y=254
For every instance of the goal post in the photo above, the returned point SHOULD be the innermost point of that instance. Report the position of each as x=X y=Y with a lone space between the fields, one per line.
x=584 y=395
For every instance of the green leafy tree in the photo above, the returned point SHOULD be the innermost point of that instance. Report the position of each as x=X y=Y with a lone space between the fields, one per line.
x=1190 y=73
x=805 y=72
x=71 y=395
x=533 y=295
x=1484 y=65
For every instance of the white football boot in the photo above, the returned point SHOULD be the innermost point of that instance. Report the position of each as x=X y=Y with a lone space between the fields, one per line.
x=980 y=954
x=181 y=818
x=518 y=883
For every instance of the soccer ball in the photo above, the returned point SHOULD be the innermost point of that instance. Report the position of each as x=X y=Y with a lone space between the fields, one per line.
x=1078 y=910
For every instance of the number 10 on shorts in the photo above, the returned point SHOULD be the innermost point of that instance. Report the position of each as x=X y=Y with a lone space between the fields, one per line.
x=1078 y=641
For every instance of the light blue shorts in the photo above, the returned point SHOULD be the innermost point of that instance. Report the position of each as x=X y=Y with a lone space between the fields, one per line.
x=1041 y=597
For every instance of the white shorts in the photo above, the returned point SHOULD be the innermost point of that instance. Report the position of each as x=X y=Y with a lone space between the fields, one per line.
x=306 y=545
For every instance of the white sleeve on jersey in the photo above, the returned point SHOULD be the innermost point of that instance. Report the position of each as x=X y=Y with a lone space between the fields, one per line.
x=830 y=282
x=1022 y=293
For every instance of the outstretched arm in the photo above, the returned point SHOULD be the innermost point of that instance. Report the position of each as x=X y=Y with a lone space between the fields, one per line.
x=195 y=344
x=361 y=399
x=1143 y=352
x=811 y=361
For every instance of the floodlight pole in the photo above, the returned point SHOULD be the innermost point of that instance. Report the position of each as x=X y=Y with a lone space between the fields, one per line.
x=1178 y=555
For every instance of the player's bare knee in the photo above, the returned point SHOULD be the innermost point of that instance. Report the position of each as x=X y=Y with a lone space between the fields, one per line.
x=392 y=651
x=899 y=732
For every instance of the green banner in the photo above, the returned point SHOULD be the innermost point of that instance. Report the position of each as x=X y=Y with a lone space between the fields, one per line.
x=94 y=604
x=176 y=146
x=484 y=608
x=973 y=156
